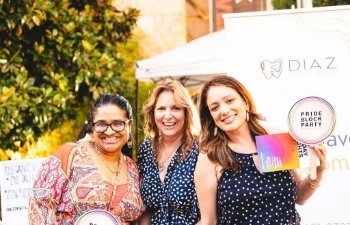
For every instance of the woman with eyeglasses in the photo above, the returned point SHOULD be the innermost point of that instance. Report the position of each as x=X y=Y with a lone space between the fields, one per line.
x=91 y=178
x=168 y=157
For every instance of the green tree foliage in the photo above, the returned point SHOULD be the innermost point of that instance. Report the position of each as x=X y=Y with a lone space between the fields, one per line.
x=136 y=92
x=283 y=4
x=320 y=3
x=287 y=4
x=53 y=55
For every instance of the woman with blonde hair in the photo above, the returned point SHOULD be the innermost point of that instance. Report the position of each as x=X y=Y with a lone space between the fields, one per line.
x=167 y=159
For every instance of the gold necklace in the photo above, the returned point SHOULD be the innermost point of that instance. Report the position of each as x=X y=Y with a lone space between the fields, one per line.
x=161 y=166
x=115 y=184
x=104 y=161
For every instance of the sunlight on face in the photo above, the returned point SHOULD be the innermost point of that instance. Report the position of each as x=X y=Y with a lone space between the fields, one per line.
x=169 y=116
x=111 y=140
x=226 y=107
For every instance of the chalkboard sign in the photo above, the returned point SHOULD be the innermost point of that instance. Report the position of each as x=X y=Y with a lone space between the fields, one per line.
x=16 y=182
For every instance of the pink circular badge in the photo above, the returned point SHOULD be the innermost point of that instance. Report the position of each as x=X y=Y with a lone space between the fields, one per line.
x=97 y=217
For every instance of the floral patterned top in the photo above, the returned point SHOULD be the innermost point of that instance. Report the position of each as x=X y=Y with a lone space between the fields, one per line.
x=174 y=201
x=60 y=197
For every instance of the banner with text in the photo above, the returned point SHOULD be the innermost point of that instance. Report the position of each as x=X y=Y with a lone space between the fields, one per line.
x=283 y=56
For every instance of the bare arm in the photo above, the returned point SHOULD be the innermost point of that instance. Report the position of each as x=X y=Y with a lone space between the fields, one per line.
x=306 y=187
x=206 y=187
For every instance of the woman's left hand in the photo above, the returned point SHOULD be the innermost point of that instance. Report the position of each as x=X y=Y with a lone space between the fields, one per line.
x=321 y=153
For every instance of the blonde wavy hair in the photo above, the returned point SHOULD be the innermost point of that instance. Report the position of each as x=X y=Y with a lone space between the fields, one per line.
x=183 y=99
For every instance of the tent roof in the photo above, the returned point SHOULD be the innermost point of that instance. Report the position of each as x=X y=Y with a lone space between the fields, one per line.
x=191 y=63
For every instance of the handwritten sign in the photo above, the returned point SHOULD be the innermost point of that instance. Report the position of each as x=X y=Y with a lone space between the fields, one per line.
x=16 y=182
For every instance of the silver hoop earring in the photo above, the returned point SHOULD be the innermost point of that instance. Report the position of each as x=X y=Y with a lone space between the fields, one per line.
x=247 y=116
x=129 y=143
x=215 y=130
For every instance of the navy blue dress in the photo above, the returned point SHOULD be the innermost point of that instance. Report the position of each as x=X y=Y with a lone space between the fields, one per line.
x=249 y=197
x=175 y=199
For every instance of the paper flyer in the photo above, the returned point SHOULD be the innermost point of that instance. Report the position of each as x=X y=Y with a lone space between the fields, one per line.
x=281 y=152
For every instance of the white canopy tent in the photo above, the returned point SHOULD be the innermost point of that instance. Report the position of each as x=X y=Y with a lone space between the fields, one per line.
x=191 y=63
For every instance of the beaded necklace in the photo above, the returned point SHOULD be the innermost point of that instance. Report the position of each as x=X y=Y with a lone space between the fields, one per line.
x=115 y=184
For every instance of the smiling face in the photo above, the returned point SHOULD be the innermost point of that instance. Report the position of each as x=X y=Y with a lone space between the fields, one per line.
x=110 y=140
x=169 y=116
x=227 y=108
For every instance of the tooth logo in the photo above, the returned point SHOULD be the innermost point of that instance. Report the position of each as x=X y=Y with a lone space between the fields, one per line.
x=271 y=69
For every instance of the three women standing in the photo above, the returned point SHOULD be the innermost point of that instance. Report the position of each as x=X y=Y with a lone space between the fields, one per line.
x=88 y=175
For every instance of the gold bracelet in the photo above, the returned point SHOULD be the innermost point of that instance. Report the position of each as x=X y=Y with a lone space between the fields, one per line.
x=313 y=185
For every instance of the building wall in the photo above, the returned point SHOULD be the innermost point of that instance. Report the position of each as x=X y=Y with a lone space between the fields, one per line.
x=197 y=18
x=166 y=24
x=237 y=6
x=161 y=26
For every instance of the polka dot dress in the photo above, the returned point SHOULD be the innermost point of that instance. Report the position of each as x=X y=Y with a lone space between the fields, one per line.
x=249 y=197
x=175 y=199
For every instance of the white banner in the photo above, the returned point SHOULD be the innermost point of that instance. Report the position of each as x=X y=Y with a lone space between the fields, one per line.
x=283 y=56
x=16 y=182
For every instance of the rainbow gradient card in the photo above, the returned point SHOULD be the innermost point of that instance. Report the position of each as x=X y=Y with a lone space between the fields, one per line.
x=277 y=152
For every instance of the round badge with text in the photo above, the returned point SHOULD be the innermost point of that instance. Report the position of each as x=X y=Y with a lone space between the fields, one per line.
x=97 y=217
x=311 y=120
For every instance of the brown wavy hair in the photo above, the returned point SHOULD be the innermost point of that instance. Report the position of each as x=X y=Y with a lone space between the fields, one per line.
x=216 y=145
x=183 y=99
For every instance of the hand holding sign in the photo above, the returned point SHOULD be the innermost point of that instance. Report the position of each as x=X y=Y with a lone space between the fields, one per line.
x=311 y=120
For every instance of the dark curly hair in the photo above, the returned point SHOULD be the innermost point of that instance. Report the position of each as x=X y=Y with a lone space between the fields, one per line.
x=107 y=99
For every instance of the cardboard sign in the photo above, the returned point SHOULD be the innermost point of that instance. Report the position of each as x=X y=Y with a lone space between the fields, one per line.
x=16 y=182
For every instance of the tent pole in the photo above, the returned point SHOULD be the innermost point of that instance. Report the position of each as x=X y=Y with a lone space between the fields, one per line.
x=137 y=118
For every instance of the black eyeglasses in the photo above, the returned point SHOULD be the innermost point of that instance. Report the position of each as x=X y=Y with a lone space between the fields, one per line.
x=117 y=126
